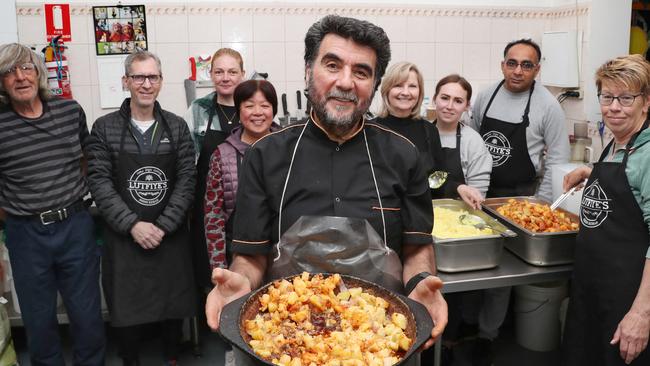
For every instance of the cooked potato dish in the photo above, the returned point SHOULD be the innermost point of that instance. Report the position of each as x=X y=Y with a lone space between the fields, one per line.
x=447 y=225
x=316 y=320
x=538 y=218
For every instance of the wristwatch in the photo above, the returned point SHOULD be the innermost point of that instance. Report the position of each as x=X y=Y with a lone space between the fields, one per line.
x=410 y=285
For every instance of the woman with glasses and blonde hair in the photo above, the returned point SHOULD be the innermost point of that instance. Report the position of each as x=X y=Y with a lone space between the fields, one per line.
x=608 y=321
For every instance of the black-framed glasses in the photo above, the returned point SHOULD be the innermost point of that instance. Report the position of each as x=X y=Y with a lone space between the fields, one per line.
x=140 y=79
x=525 y=65
x=27 y=68
x=625 y=100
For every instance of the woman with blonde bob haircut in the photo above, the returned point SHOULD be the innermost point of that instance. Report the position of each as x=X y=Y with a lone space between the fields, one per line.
x=608 y=321
x=396 y=75
x=402 y=91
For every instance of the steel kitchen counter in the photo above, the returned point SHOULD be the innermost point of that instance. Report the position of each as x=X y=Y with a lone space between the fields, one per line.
x=512 y=271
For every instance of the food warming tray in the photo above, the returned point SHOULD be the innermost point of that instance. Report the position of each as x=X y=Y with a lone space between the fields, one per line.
x=539 y=249
x=468 y=254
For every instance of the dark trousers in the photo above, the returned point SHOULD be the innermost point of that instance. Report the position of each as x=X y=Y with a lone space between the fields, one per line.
x=62 y=256
x=129 y=340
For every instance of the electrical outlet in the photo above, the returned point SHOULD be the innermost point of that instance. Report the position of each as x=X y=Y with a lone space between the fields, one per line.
x=574 y=93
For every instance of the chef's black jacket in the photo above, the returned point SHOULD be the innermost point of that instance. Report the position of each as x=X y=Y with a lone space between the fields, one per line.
x=328 y=179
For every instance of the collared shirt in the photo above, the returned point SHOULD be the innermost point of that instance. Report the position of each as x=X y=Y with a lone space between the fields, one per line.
x=331 y=179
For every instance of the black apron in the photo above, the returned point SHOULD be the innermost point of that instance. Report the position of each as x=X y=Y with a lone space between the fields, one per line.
x=610 y=256
x=147 y=285
x=513 y=173
x=451 y=164
x=210 y=141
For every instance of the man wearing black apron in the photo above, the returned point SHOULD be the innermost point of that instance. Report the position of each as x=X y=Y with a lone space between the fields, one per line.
x=142 y=177
x=518 y=120
x=609 y=262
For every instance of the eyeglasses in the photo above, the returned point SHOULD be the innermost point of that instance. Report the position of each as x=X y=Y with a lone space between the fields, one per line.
x=625 y=100
x=140 y=79
x=27 y=68
x=525 y=65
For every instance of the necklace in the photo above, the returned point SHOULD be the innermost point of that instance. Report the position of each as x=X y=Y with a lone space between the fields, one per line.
x=225 y=115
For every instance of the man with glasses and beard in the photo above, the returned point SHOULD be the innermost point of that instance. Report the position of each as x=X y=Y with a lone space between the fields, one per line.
x=336 y=164
x=142 y=176
x=523 y=127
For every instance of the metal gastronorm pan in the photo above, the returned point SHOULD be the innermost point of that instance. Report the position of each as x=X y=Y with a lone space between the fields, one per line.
x=246 y=307
x=539 y=249
x=468 y=254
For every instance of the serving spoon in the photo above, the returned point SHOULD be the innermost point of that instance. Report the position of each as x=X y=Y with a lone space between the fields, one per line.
x=479 y=223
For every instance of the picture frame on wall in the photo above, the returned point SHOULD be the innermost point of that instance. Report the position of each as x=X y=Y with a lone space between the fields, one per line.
x=120 y=29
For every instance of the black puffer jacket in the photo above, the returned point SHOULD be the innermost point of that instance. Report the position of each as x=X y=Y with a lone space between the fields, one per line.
x=103 y=151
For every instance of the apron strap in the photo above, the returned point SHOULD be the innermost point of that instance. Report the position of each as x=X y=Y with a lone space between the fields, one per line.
x=492 y=99
x=628 y=146
x=631 y=142
x=165 y=127
x=524 y=118
x=458 y=137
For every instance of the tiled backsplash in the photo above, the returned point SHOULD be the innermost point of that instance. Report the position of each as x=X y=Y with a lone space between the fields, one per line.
x=440 y=40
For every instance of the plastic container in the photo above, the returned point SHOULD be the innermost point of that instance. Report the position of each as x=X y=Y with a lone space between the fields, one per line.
x=537 y=315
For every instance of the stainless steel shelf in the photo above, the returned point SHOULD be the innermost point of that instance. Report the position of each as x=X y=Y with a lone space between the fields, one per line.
x=512 y=271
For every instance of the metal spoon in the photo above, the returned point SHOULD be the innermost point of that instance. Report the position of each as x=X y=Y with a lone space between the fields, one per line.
x=437 y=179
x=479 y=223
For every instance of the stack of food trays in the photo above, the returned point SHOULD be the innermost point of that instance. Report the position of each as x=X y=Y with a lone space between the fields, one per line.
x=456 y=252
x=536 y=248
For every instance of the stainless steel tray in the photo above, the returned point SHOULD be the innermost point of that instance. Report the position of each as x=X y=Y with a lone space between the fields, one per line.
x=468 y=254
x=539 y=249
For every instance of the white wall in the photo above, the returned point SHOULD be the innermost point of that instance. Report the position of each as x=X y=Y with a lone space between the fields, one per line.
x=8 y=25
x=482 y=3
x=606 y=44
x=439 y=39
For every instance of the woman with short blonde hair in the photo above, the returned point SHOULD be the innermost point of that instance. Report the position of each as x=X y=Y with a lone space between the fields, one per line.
x=608 y=321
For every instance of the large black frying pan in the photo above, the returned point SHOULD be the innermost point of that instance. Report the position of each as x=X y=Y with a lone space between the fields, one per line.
x=246 y=307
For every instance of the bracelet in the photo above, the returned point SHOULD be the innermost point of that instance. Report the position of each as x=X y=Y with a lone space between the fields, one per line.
x=410 y=285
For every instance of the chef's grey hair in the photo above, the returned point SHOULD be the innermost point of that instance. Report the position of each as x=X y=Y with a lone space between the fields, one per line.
x=14 y=54
x=140 y=56
x=360 y=31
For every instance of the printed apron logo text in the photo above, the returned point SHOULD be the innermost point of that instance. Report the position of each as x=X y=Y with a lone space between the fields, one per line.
x=498 y=146
x=595 y=206
x=148 y=185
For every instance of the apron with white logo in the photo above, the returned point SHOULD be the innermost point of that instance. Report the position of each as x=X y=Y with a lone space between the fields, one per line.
x=513 y=173
x=610 y=256
x=147 y=285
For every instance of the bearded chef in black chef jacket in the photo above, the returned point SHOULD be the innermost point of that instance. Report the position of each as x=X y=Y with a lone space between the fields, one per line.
x=335 y=164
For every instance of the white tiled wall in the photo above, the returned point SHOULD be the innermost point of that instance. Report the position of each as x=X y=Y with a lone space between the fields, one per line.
x=440 y=39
